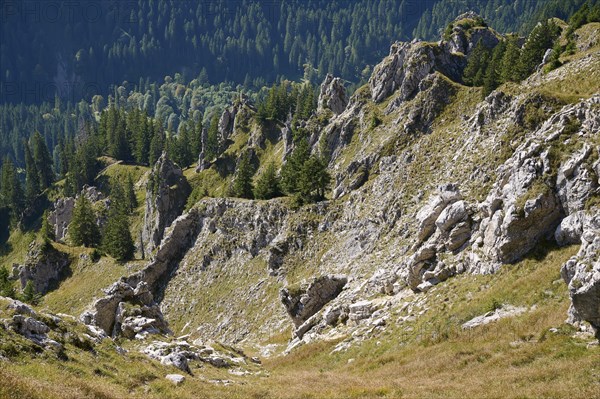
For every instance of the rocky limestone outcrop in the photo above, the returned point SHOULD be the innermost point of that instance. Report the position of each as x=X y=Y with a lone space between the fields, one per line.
x=466 y=34
x=166 y=195
x=332 y=95
x=62 y=213
x=304 y=301
x=582 y=273
x=181 y=354
x=129 y=308
x=44 y=266
x=407 y=65
x=25 y=321
x=203 y=163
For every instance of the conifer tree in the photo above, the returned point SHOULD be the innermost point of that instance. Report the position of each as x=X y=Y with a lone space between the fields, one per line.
x=32 y=177
x=313 y=180
x=157 y=144
x=43 y=160
x=242 y=184
x=492 y=73
x=267 y=185
x=130 y=194
x=83 y=229
x=510 y=60
x=117 y=240
x=46 y=230
x=11 y=193
x=477 y=64
x=6 y=286
x=291 y=170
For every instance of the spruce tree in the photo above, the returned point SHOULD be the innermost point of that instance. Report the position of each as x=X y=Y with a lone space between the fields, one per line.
x=83 y=228
x=492 y=73
x=476 y=65
x=157 y=144
x=117 y=240
x=313 y=180
x=291 y=169
x=130 y=194
x=46 y=230
x=11 y=193
x=32 y=177
x=510 y=60
x=267 y=185
x=242 y=183
x=43 y=160
x=6 y=286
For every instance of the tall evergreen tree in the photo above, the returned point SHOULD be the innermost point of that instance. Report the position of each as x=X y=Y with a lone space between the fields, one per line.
x=83 y=229
x=267 y=185
x=510 y=60
x=242 y=184
x=157 y=144
x=6 y=286
x=476 y=65
x=117 y=240
x=132 y=202
x=313 y=180
x=43 y=160
x=32 y=177
x=212 y=138
x=11 y=193
x=291 y=170
x=492 y=73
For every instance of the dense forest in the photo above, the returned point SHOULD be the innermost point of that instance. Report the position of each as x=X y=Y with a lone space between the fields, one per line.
x=80 y=49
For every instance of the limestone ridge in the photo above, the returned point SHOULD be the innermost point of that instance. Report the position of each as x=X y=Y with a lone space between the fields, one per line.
x=130 y=306
x=166 y=195
x=468 y=195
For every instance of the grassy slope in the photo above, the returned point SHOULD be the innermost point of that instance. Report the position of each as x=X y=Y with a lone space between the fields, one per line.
x=430 y=357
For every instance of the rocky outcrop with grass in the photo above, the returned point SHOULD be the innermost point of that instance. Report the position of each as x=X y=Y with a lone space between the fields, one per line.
x=44 y=266
x=166 y=194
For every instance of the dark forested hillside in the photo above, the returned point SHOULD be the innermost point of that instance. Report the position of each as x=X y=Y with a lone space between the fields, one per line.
x=92 y=44
x=79 y=49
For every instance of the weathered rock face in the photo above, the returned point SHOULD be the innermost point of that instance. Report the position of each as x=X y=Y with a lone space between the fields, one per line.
x=407 y=65
x=463 y=40
x=203 y=163
x=44 y=266
x=332 y=95
x=129 y=308
x=309 y=298
x=166 y=195
x=181 y=354
x=61 y=216
x=582 y=274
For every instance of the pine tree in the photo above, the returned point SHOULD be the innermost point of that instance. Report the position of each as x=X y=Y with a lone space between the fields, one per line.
x=130 y=194
x=6 y=286
x=510 y=60
x=476 y=65
x=267 y=185
x=539 y=40
x=11 y=193
x=43 y=160
x=291 y=169
x=492 y=73
x=46 y=230
x=157 y=144
x=32 y=177
x=242 y=183
x=313 y=180
x=117 y=240
x=83 y=229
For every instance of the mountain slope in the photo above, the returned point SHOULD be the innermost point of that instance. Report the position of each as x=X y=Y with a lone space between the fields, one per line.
x=459 y=236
